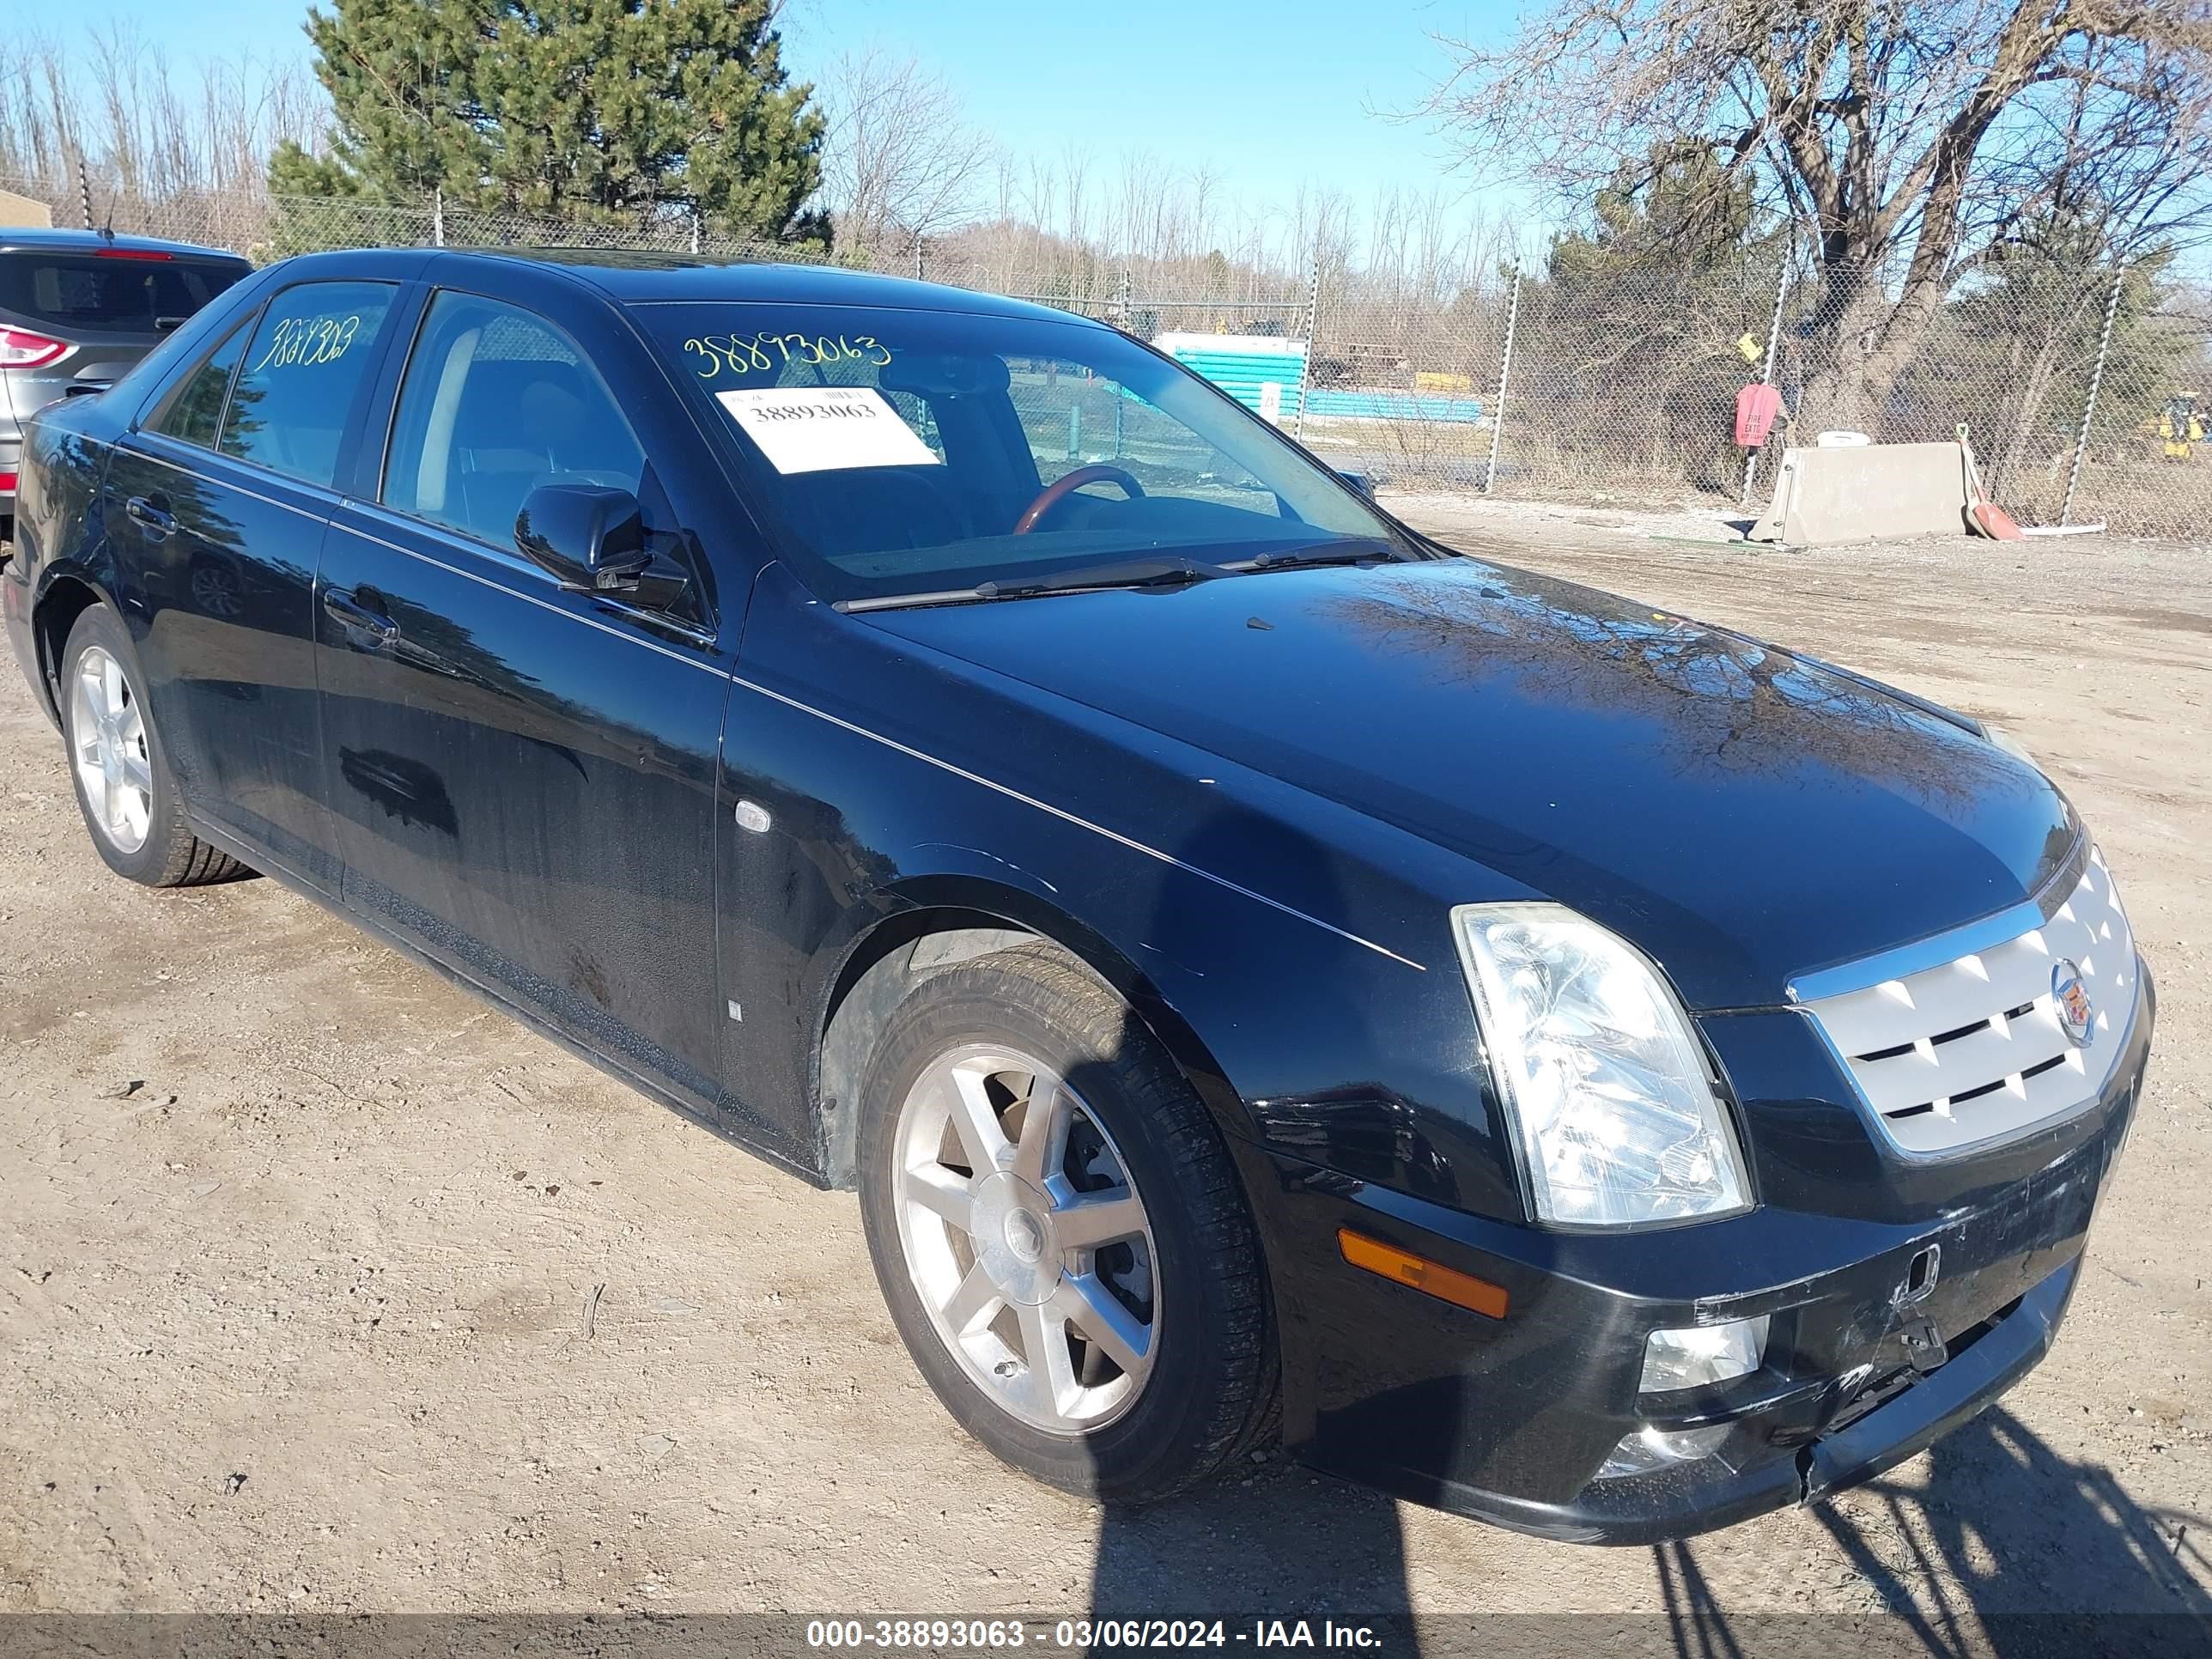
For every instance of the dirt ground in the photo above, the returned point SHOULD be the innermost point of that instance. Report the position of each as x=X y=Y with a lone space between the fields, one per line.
x=322 y=1288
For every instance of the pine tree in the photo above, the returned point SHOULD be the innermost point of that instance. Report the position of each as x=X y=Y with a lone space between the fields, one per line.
x=603 y=111
x=1643 y=310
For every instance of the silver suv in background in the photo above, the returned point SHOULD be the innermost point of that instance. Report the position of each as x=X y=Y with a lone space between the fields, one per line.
x=77 y=307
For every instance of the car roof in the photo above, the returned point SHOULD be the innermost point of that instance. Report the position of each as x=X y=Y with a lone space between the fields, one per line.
x=18 y=238
x=644 y=278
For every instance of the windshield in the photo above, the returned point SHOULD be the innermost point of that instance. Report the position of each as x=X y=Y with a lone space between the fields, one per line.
x=921 y=451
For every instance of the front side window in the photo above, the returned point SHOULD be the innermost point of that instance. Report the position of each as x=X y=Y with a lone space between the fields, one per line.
x=193 y=409
x=299 y=376
x=915 y=450
x=497 y=402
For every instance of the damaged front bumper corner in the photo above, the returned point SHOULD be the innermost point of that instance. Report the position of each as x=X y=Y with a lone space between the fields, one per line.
x=1882 y=1337
x=1647 y=1509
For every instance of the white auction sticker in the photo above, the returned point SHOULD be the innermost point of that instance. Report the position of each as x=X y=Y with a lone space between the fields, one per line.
x=816 y=429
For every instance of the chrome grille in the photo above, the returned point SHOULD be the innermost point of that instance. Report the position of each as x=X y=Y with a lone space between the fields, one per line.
x=1971 y=1049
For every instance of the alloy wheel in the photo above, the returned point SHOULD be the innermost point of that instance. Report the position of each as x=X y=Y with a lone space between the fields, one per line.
x=107 y=739
x=1025 y=1239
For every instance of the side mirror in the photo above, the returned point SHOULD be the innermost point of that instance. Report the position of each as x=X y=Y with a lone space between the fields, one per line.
x=1359 y=481
x=592 y=538
x=86 y=388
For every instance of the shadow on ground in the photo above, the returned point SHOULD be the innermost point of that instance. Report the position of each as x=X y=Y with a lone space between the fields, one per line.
x=1997 y=1545
x=2006 y=1528
x=1280 y=1542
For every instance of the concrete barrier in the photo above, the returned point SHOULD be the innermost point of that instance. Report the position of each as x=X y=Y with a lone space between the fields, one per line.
x=1866 y=493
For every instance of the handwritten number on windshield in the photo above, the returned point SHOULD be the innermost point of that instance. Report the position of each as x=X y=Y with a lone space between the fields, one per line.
x=757 y=354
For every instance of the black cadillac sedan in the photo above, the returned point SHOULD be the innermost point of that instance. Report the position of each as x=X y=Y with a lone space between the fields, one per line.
x=1265 y=974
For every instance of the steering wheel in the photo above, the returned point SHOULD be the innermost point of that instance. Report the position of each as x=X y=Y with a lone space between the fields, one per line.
x=1066 y=484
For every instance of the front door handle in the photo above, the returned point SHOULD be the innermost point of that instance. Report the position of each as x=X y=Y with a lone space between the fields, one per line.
x=150 y=515
x=345 y=606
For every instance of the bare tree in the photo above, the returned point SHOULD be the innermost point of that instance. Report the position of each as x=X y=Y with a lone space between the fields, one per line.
x=1914 y=138
x=152 y=134
x=899 y=162
x=1075 y=171
x=1205 y=203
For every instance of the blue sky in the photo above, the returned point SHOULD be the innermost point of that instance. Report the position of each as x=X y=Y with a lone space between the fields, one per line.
x=1272 y=93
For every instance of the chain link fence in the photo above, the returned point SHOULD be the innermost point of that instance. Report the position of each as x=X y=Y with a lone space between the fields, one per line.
x=2084 y=388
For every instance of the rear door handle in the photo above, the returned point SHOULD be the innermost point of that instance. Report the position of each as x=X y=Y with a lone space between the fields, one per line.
x=346 y=607
x=153 y=516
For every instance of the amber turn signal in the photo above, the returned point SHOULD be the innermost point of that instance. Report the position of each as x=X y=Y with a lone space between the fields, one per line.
x=1448 y=1284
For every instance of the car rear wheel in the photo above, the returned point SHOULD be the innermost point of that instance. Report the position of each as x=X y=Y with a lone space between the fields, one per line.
x=124 y=788
x=1059 y=1233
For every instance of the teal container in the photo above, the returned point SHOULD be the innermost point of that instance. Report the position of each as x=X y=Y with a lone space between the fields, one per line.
x=1241 y=367
x=1386 y=406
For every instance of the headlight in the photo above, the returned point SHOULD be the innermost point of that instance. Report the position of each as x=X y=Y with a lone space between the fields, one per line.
x=1618 y=1119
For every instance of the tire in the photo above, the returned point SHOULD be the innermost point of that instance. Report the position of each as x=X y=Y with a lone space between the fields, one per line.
x=1204 y=1383
x=138 y=820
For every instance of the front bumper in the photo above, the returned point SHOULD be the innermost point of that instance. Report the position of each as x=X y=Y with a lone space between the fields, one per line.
x=1509 y=1421
x=1700 y=1497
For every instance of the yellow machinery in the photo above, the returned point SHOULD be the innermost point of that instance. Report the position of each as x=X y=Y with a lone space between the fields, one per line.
x=2180 y=428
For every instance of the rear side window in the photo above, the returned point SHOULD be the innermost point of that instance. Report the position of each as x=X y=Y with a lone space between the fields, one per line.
x=195 y=406
x=300 y=371
x=497 y=402
x=110 y=293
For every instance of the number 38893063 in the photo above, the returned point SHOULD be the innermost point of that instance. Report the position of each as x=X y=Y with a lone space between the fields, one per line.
x=758 y=353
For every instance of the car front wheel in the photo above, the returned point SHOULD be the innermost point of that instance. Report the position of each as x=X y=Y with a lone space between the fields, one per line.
x=1059 y=1233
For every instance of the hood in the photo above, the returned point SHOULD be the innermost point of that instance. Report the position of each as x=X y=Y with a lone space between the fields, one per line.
x=1742 y=814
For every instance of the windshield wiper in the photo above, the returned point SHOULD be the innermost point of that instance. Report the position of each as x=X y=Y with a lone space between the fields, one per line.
x=1320 y=553
x=1128 y=573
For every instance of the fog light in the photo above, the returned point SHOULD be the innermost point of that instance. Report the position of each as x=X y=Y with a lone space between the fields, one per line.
x=1656 y=1449
x=1702 y=1355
